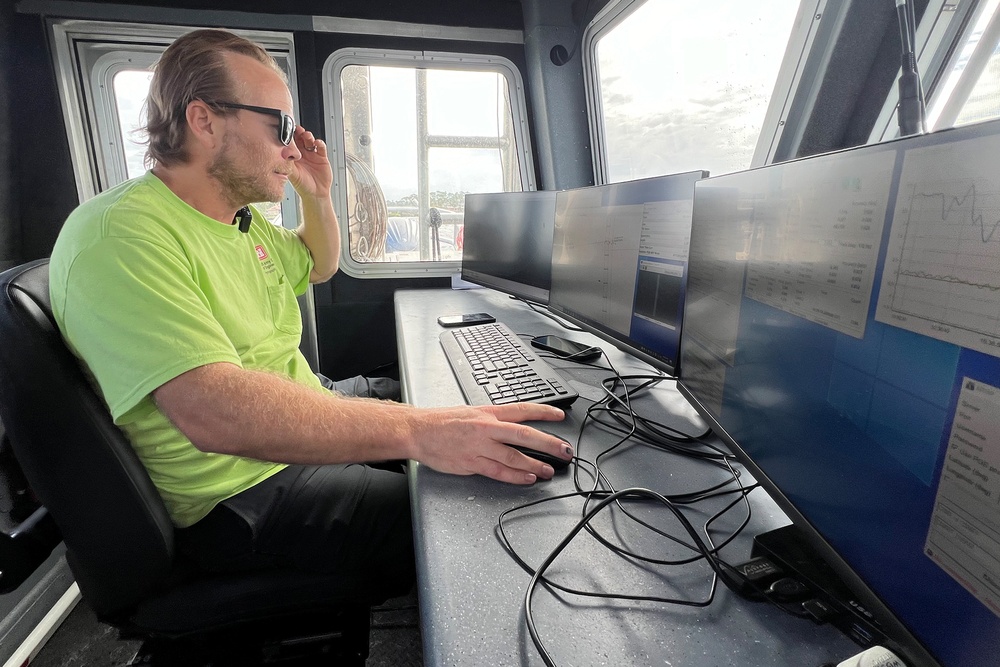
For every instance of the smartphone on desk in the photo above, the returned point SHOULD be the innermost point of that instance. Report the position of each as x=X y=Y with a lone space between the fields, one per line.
x=466 y=320
x=563 y=347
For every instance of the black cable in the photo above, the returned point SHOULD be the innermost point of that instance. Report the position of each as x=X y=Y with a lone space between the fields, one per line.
x=718 y=571
x=546 y=313
x=631 y=423
x=615 y=413
x=742 y=493
x=508 y=546
x=596 y=492
x=650 y=433
x=666 y=435
x=911 y=112
x=688 y=498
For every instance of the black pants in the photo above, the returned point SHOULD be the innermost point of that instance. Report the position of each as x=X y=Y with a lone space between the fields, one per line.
x=351 y=520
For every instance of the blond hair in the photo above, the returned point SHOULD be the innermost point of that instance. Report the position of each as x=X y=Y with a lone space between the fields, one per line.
x=192 y=68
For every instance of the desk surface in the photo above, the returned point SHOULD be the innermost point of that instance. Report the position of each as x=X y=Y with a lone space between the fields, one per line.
x=472 y=592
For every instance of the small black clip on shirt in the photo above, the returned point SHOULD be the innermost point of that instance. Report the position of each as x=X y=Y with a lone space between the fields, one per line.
x=243 y=218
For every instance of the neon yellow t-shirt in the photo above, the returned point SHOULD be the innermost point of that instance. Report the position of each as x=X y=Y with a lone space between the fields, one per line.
x=144 y=288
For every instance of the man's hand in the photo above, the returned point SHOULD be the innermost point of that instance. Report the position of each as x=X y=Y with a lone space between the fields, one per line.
x=312 y=175
x=312 y=178
x=225 y=409
x=473 y=440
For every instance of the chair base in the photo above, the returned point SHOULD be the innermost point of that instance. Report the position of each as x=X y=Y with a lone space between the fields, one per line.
x=343 y=640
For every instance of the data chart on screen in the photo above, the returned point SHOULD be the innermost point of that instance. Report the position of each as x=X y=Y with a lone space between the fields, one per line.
x=942 y=267
x=818 y=255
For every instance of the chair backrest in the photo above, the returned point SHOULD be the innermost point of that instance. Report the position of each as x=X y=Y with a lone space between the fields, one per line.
x=118 y=535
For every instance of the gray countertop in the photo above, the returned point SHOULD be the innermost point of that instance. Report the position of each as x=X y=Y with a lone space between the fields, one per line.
x=472 y=592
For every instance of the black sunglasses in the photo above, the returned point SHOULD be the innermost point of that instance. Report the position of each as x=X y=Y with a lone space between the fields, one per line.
x=286 y=130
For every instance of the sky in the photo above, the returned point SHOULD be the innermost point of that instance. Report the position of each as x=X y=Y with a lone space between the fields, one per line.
x=684 y=86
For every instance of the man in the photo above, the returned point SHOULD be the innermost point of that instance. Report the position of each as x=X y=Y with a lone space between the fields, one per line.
x=186 y=318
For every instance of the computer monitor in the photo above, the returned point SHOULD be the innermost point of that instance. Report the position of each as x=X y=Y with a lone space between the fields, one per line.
x=842 y=333
x=508 y=242
x=619 y=262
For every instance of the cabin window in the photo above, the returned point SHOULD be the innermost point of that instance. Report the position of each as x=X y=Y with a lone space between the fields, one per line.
x=969 y=91
x=678 y=86
x=129 y=90
x=411 y=134
x=105 y=74
x=958 y=59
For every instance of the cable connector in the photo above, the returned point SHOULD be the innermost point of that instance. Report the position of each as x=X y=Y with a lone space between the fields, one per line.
x=819 y=611
x=757 y=575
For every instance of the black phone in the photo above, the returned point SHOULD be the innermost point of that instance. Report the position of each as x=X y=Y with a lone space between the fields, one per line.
x=564 y=347
x=465 y=320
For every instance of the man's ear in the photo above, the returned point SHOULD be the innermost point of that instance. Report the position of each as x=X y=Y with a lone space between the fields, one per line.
x=205 y=125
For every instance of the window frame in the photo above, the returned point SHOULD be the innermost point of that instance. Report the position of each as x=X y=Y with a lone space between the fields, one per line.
x=87 y=56
x=943 y=30
x=779 y=114
x=111 y=161
x=333 y=100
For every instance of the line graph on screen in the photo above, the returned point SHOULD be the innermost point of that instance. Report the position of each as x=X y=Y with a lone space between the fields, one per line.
x=942 y=270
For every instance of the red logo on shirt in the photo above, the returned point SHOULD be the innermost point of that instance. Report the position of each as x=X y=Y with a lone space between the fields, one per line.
x=261 y=253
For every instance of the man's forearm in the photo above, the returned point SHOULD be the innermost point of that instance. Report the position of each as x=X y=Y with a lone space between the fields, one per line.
x=320 y=232
x=225 y=409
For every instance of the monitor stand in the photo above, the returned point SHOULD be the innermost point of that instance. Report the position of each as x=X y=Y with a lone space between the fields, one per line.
x=832 y=601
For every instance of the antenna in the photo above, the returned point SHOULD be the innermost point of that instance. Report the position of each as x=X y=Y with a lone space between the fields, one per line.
x=911 y=112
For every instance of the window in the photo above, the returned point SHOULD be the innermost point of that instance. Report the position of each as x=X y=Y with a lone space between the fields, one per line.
x=970 y=91
x=105 y=79
x=129 y=90
x=411 y=134
x=958 y=58
x=683 y=85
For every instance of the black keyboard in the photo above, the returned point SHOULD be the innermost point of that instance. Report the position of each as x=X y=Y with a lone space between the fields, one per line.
x=494 y=366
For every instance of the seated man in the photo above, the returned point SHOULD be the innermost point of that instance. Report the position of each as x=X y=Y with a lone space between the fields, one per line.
x=181 y=302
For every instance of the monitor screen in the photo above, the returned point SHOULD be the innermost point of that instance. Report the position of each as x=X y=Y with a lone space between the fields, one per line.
x=842 y=332
x=619 y=262
x=508 y=242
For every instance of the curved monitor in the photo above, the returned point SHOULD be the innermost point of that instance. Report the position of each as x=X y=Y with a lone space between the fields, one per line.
x=842 y=332
x=508 y=242
x=619 y=262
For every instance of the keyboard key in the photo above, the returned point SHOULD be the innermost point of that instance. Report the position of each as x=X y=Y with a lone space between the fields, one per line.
x=493 y=365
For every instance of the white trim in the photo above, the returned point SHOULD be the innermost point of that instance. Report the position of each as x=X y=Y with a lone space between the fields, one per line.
x=418 y=30
x=944 y=112
x=793 y=65
x=611 y=15
x=35 y=641
x=111 y=152
x=333 y=102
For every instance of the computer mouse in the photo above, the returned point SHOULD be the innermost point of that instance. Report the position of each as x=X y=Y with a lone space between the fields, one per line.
x=554 y=461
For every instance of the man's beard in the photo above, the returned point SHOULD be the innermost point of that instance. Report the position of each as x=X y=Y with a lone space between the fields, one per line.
x=239 y=186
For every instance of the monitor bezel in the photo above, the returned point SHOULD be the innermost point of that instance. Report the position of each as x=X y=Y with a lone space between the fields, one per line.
x=523 y=291
x=622 y=341
x=903 y=640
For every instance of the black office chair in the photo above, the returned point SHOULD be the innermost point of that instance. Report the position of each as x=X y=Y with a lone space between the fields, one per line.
x=119 y=538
